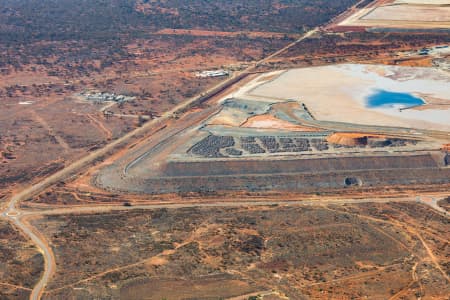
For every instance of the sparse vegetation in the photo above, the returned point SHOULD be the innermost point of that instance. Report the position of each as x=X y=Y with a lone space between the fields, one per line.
x=308 y=247
x=21 y=264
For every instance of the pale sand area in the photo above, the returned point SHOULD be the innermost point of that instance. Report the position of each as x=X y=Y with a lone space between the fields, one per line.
x=410 y=13
x=339 y=93
x=414 y=15
x=229 y=117
x=425 y=2
x=244 y=91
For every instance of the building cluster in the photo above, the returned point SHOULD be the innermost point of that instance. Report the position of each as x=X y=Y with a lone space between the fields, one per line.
x=99 y=97
x=212 y=73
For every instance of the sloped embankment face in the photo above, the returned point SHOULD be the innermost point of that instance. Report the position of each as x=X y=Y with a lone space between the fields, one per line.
x=304 y=175
x=294 y=182
x=236 y=167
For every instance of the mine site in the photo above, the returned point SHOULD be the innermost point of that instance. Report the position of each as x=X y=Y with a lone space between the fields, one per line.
x=367 y=125
x=242 y=150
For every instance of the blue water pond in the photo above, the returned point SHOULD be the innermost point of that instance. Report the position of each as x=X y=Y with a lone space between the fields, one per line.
x=382 y=98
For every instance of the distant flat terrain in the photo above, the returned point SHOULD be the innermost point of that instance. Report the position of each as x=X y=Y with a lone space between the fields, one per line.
x=403 y=15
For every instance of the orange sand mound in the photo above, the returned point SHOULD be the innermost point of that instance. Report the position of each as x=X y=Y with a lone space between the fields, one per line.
x=270 y=122
x=351 y=139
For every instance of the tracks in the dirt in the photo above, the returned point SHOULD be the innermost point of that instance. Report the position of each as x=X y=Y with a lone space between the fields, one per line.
x=318 y=202
x=17 y=287
x=101 y=127
x=413 y=231
x=51 y=131
x=19 y=218
x=110 y=208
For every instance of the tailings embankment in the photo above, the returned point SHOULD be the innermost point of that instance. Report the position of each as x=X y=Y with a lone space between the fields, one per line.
x=242 y=166
x=284 y=175
x=305 y=182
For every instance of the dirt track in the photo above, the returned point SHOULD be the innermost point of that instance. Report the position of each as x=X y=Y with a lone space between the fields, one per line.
x=221 y=203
